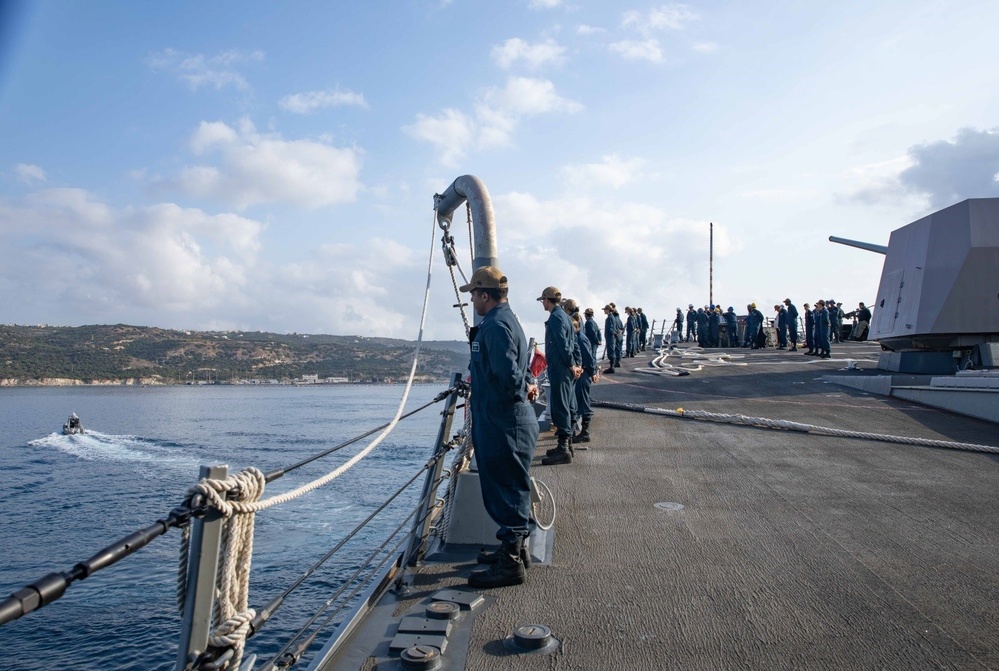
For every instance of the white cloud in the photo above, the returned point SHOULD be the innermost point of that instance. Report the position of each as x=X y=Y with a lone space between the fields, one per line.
x=305 y=103
x=524 y=96
x=544 y=4
x=612 y=171
x=951 y=171
x=198 y=70
x=76 y=260
x=943 y=172
x=451 y=133
x=649 y=50
x=98 y=260
x=533 y=56
x=778 y=196
x=584 y=29
x=569 y=236
x=706 y=47
x=29 y=174
x=666 y=17
x=498 y=112
x=258 y=168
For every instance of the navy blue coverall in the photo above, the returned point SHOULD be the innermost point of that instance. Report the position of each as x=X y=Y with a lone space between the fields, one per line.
x=792 y=325
x=732 y=325
x=782 y=328
x=592 y=332
x=714 y=327
x=583 y=383
x=810 y=330
x=504 y=426
x=560 y=341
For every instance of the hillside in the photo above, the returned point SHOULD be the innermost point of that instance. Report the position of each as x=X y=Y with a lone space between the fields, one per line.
x=122 y=354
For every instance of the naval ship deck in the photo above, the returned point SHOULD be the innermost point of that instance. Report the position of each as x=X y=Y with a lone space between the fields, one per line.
x=791 y=551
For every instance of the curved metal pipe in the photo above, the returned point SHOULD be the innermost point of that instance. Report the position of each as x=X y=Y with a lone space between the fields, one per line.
x=471 y=188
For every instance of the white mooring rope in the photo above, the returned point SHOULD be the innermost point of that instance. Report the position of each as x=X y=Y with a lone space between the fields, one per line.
x=786 y=425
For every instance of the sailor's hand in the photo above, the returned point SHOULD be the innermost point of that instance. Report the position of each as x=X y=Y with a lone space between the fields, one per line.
x=532 y=392
x=576 y=372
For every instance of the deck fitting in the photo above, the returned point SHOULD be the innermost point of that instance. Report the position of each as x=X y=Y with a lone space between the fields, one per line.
x=421 y=658
x=443 y=610
x=531 y=639
x=668 y=505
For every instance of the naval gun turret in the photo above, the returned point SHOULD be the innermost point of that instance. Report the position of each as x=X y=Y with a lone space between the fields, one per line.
x=937 y=308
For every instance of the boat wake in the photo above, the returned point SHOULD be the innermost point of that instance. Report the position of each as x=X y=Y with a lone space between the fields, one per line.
x=97 y=446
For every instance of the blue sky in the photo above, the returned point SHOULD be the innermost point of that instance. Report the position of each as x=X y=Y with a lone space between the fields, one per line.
x=272 y=165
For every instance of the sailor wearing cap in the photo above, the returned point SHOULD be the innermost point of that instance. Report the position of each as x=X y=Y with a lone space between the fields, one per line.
x=702 y=327
x=630 y=326
x=612 y=325
x=714 y=326
x=643 y=328
x=781 y=326
x=809 y=329
x=822 y=330
x=678 y=324
x=792 y=324
x=592 y=332
x=559 y=345
x=691 y=322
x=732 y=327
x=505 y=428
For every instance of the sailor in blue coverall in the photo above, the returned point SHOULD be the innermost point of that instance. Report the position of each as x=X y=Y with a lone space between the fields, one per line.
x=504 y=426
x=560 y=341
x=822 y=330
x=732 y=324
x=592 y=332
x=809 y=329
x=792 y=323
x=582 y=386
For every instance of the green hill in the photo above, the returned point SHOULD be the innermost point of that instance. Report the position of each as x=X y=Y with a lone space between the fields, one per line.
x=139 y=354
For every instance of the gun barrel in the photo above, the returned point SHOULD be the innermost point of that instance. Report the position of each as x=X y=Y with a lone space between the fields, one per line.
x=869 y=246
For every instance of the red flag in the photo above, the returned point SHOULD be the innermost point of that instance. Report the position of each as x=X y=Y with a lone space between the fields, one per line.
x=538 y=363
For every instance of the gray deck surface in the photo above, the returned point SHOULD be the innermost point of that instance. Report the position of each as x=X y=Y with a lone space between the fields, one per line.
x=792 y=551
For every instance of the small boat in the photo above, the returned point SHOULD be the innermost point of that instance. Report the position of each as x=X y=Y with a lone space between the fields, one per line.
x=72 y=425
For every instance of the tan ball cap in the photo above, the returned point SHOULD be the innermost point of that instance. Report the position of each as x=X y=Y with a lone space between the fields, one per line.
x=551 y=293
x=486 y=277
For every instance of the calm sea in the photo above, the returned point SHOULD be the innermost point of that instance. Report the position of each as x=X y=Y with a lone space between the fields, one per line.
x=62 y=498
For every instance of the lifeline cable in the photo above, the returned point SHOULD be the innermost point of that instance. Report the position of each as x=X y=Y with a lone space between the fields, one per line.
x=786 y=425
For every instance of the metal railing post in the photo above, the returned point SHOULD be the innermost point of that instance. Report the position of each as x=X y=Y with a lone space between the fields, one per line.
x=206 y=540
x=423 y=521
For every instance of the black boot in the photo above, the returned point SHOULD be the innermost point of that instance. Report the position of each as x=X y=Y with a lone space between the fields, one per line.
x=584 y=434
x=561 y=455
x=507 y=570
x=563 y=445
x=486 y=557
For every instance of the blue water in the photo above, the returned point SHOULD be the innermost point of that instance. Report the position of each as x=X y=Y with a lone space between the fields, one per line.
x=62 y=498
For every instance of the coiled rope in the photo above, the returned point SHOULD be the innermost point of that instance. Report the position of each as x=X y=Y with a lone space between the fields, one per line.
x=232 y=616
x=786 y=425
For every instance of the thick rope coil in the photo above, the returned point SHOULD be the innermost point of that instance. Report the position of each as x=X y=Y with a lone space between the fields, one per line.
x=231 y=616
x=785 y=425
